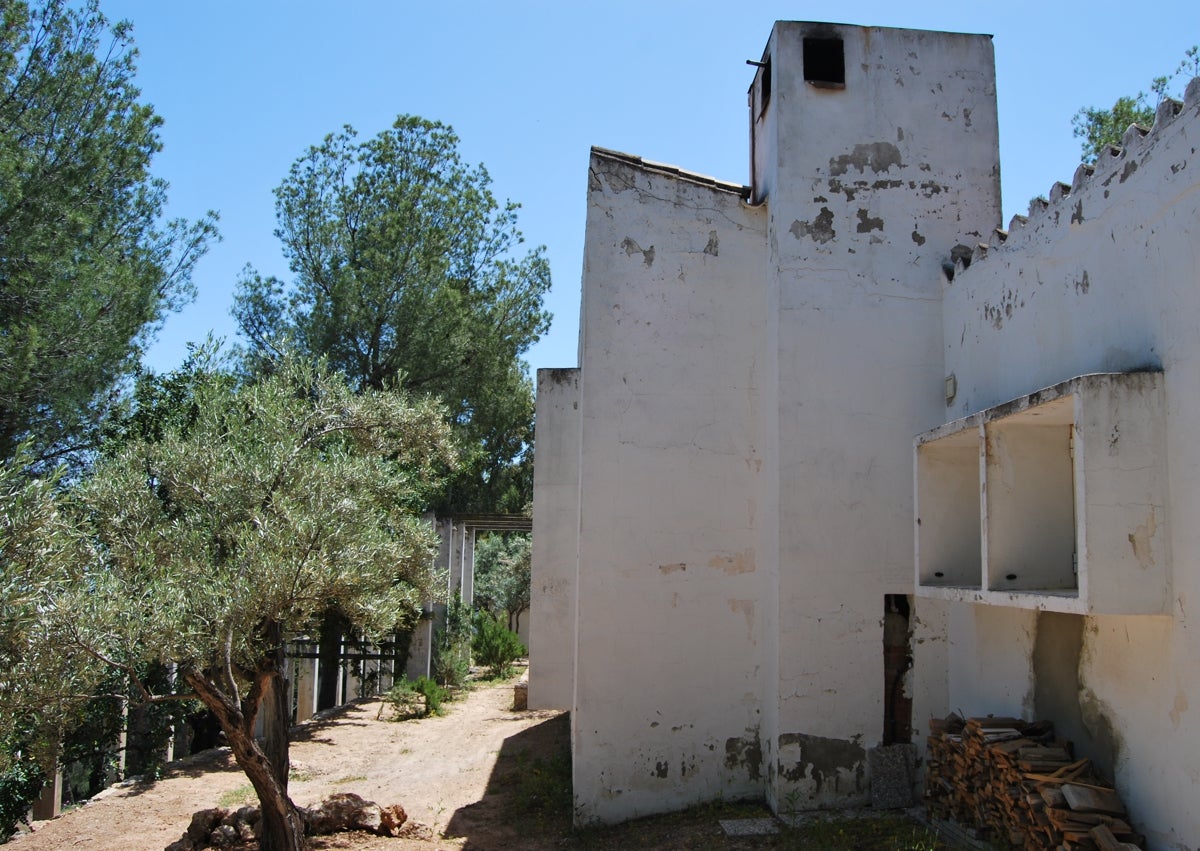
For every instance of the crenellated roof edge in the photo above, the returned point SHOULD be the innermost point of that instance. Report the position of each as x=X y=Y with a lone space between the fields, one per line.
x=1135 y=141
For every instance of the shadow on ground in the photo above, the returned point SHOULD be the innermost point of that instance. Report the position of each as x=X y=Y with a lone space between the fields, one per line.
x=528 y=805
x=527 y=802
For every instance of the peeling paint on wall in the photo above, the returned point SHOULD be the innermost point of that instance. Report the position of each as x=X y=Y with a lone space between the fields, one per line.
x=741 y=562
x=823 y=762
x=1140 y=539
x=745 y=752
x=1179 y=707
x=820 y=228
x=746 y=608
x=876 y=156
x=631 y=248
x=867 y=223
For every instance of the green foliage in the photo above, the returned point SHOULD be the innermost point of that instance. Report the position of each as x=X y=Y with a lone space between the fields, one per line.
x=433 y=693
x=502 y=574
x=265 y=506
x=43 y=558
x=494 y=645
x=452 y=645
x=403 y=699
x=543 y=787
x=275 y=501
x=882 y=832
x=87 y=747
x=420 y=698
x=239 y=796
x=1099 y=128
x=407 y=273
x=21 y=781
x=87 y=267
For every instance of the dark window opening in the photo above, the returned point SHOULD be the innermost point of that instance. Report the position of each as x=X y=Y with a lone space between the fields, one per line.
x=764 y=89
x=825 y=63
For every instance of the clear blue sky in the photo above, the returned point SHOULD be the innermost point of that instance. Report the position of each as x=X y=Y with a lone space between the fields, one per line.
x=245 y=87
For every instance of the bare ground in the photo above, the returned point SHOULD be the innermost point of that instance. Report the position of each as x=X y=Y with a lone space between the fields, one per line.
x=437 y=768
x=479 y=778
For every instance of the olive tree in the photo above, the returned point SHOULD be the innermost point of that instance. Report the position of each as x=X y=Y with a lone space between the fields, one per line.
x=252 y=511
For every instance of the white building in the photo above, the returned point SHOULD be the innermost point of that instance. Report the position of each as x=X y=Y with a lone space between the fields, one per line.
x=768 y=422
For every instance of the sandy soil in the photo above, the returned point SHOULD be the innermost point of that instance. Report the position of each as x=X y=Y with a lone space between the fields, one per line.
x=480 y=778
x=449 y=773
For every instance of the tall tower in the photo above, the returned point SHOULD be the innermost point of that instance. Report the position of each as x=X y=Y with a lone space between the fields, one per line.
x=876 y=152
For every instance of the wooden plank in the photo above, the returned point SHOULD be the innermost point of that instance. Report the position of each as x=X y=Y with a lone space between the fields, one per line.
x=1105 y=839
x=1053 y=796
x=1092 y=799
x=1050 y=778
x=1074 y=769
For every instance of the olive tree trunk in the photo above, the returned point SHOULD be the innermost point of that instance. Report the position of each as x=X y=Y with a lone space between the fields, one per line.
x=282 y=825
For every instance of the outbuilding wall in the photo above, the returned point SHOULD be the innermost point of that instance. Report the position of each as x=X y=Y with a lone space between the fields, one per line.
x=668 y=664
x=1105 y=277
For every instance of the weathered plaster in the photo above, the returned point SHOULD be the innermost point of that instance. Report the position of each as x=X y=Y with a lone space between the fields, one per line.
x=1103 y=278
x=751 y=381
x=669 y=462
x=555 y=540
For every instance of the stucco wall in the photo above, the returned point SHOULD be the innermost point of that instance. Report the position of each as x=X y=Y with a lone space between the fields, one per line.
x=872 y=185
x=555 y=540
x=751 y=381
x=668 y=670
x=1103 y=278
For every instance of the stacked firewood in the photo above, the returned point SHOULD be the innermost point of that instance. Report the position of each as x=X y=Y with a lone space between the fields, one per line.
x=1020 y=783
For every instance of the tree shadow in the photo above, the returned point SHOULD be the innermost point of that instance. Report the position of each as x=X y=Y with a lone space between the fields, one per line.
x=345 y=715
x=204 y=763
x=527 y=802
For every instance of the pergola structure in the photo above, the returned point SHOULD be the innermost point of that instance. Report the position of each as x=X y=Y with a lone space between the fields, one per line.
x=457 y=555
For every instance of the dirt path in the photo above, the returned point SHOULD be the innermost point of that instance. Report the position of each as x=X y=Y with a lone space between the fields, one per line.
x=447 y=772
x=480 y=778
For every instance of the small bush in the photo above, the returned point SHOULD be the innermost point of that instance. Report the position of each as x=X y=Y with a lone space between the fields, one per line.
x=495 y=646
x=21 y=782
x=433 y=693
x=452 y=666
x=416 y=699
x=452 y=645
x=403 y=699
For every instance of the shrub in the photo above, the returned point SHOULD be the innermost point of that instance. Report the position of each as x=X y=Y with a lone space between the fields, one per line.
x=495 y=646
x=421 y=698
x=452 y=645
x=20 y=783
x=403 y=699
x=433 y=693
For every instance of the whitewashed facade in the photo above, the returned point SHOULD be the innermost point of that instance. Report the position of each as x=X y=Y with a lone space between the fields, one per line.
x=786 y=390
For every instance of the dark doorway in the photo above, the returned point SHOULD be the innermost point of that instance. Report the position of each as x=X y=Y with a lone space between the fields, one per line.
x=897 y=661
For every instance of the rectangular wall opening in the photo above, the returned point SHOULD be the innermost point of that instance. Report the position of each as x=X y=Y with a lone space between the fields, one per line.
x=1030 y=500
x=825 y=63
x=949 y=536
